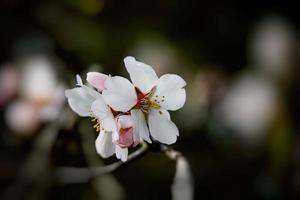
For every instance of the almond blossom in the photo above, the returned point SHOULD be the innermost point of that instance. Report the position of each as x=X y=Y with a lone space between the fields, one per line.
x=147 y=99
x=115 y=129
x=127 y=113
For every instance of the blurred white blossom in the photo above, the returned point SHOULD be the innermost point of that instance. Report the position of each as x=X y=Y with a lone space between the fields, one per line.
x=38 y=80
x=22 y=117
x=41 y=94
x=249 y=108
x=272 y=44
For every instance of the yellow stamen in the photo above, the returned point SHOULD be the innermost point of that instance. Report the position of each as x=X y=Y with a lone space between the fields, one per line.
x=96 y=126
x=154 y=105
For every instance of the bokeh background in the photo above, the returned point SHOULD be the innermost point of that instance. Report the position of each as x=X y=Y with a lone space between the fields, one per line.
x=239 y=128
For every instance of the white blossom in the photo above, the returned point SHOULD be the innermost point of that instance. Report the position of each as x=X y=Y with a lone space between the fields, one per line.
x=123 y=110
x=147 y=99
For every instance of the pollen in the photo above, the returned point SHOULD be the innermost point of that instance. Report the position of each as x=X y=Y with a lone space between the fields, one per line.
x=154 y=104
x=96 y=126
x=147 y=101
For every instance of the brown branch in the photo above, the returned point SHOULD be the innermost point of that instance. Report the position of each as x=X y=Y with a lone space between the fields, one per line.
x=79 y=175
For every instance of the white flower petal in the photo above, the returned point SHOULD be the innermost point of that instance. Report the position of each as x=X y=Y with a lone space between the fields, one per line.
x=119 y=94
x=92 y=92
x=140 y=129
x=164 y=113
x=80 y=100
x=121 y=153
x=169 y=92
x=173 y=100
x=79 y=80
x=161 y=128
x=104 y=114
x=142 y=76
x=104 y=145
x=169 y=82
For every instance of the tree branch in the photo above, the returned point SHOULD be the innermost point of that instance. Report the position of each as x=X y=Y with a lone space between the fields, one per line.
x=79 y=175
x=71 y=175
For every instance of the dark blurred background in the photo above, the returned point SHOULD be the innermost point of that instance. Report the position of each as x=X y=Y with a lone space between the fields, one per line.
x=239 y=129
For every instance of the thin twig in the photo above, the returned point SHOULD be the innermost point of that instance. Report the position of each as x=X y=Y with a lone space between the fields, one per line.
x=79 y=175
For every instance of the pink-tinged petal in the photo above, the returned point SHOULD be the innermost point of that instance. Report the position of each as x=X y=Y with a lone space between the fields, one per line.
x=121 y=153
x=125 y=131
x=142 y=76
x=161 y=128
x=125 y=138
x=124 y=121
x=104 y=144
x=97 y=80
x=140 y=129
x=104 y=114
x=119 y=94
x=169 y=92
x=80 y=100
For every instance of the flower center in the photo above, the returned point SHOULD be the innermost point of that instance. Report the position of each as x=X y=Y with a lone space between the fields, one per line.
x=146 y=101
x=124 y=130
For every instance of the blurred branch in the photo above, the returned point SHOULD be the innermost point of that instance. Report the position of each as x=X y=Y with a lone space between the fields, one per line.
x=36 y=164
x=182 y=187
x=79 y=175
x=183 y=183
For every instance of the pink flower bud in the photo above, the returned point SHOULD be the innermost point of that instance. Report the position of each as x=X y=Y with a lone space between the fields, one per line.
x=125 y=131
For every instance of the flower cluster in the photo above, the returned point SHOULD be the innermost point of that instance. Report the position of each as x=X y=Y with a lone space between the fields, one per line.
x=127 y=113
